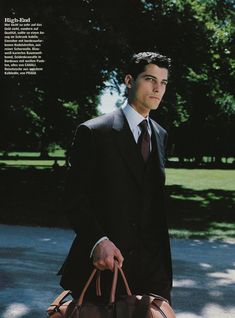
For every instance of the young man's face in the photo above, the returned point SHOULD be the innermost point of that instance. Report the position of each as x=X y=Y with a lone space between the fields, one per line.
x=146 y=91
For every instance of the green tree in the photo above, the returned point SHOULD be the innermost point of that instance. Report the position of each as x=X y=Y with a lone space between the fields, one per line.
x=86 y=43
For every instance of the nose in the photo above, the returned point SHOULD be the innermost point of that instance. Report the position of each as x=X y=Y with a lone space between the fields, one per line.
x=156 y=87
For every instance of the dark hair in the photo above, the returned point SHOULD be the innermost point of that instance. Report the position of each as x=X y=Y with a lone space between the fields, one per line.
x=140 y=60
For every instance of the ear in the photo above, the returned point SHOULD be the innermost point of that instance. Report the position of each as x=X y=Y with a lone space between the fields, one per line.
x=128 y=80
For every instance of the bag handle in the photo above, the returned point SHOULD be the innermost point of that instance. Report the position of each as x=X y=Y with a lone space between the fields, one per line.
x=117 y=269
x=57 y=302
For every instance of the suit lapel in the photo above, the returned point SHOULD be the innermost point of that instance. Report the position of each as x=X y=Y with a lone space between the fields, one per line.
x=127 y=146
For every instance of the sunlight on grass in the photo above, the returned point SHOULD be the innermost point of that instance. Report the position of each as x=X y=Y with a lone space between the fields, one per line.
x=55 y=153
x=182 y=197
x=32 y=163
x=184 y=233
x=223 y=226
x=198 y=198
x=219 y=230
x=215 y=231
x=201 y=179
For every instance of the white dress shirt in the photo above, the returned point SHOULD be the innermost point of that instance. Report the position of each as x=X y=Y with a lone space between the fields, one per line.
x=134 y=119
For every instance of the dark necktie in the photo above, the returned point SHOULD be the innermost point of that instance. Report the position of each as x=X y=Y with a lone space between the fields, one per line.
x=144 y=140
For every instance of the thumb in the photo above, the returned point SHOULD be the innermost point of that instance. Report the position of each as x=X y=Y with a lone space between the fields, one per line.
x=119 y=257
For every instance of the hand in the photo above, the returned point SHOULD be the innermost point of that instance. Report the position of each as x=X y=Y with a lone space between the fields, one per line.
x=104 y=255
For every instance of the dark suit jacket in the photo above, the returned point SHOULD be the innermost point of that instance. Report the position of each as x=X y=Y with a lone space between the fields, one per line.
x=113 y=193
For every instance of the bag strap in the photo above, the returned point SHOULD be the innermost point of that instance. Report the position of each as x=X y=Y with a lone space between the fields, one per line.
x=98 y=288
x=80 y=299
x=158 y=307
x=143 y=306
x=57 y=302
x=117 y=269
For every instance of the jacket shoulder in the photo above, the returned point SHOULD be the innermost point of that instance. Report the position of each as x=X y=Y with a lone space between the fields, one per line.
x=102 y=122
x=159 y=128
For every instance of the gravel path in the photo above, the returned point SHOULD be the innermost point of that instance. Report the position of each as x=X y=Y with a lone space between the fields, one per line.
x=204 y=273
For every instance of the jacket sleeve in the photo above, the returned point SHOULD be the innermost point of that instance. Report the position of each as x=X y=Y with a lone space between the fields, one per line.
x=79 y=188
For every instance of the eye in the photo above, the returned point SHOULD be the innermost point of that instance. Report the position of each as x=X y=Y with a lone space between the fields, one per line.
x=150 y=79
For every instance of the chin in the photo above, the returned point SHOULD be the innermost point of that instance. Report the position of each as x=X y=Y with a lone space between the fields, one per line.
x=154 y=107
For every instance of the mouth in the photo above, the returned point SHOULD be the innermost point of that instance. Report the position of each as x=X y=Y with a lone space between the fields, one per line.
x=154 y=97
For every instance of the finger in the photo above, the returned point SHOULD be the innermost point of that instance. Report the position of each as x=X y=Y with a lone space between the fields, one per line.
x=109 y=262
x=119 y=257
x=99 y=265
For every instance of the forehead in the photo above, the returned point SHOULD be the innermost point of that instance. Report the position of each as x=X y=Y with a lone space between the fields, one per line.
x=154 y=70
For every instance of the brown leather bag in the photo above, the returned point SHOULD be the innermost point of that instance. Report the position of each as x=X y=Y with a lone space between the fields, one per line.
x=127 y=306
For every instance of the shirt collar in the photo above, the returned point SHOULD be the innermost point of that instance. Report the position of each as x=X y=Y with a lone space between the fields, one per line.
x=133 y=117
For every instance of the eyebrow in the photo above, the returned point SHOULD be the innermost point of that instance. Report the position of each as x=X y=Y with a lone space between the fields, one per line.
x=154 y=77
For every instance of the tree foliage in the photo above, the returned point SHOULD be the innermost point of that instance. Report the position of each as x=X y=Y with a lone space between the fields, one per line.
x=87 y=42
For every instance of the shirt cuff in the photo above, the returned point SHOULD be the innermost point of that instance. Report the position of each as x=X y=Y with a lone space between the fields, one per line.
x=100 y=240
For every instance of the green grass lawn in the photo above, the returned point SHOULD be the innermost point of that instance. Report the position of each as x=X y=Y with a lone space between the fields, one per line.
x=201 y=203
x=39 y=164
x=15 y=159
x=57 y=152
x=201 y=179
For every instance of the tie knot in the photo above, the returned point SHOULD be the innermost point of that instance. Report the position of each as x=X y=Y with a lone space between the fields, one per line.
x=143 y=125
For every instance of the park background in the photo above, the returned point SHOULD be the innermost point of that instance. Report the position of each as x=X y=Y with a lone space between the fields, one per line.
x=86 y=43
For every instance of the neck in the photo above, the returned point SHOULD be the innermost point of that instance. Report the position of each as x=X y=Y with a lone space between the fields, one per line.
x=143 y=112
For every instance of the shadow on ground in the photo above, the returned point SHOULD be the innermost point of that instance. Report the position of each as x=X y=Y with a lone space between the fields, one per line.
x=35 y=197
x=32 y=197
x=201 y=213
x=204 y=273
x=204 y=278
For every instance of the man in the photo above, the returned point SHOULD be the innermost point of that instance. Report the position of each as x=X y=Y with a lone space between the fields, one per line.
x=116 y=189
